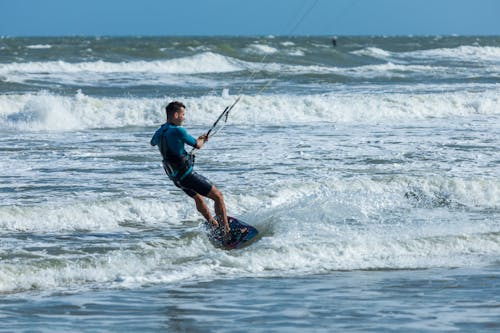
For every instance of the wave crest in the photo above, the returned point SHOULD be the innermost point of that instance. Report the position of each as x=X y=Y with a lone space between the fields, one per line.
x=46 y=111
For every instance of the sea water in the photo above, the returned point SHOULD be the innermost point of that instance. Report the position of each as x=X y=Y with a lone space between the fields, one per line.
x=371 y=169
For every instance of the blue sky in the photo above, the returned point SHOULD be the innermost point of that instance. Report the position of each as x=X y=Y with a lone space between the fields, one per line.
x=248 y=17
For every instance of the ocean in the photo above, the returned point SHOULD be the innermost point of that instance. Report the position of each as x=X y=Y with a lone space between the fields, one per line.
x=371 y=169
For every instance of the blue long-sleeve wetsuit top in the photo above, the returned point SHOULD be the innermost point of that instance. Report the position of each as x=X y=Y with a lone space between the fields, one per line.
x=177 y=137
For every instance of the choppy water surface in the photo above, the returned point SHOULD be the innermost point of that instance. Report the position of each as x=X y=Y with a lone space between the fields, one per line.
x=371 y=170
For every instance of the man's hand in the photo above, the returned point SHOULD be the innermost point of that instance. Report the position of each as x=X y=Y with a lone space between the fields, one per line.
x=201 y=141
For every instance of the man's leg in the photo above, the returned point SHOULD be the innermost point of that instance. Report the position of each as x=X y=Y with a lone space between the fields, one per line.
x=202 y=207
x=197 y=186
x=219 y=206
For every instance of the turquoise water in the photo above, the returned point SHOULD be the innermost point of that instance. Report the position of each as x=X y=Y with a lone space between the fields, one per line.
x=371 y=170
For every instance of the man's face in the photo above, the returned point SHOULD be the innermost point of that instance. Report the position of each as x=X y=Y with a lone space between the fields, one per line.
x=179 y=117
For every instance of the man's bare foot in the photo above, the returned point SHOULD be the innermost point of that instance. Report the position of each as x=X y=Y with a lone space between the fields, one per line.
x=213 y=223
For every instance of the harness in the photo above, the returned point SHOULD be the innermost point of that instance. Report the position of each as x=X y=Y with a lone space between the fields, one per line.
x=177 y=167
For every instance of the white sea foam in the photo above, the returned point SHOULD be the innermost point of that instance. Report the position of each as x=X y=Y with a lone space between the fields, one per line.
x=373 y=52
x=39 y=46
x=96 y=216
x=178 y=71
x=296 y=53
x=460 y=53
x=309 y=228
x=46 y=111
x=261 y=49
x=288 y=254
x=168 y=72
x=392 y=70
x=206 y=62
x=328 y=201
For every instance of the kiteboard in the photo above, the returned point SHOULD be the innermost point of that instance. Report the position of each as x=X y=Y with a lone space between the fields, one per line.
x=242 y=234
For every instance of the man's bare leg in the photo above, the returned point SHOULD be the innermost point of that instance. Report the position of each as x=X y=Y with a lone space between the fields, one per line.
x=219 y=206
x=202 y=207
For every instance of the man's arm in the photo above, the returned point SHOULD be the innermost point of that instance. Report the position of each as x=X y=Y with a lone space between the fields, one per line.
x=190 y=140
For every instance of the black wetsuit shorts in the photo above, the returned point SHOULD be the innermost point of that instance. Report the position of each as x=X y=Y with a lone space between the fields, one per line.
x=193 y=184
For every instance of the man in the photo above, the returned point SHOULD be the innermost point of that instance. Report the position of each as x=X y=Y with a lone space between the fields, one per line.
x=178 y=164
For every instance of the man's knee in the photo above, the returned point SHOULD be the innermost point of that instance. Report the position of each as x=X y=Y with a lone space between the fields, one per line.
x=215 y=194
x=198 y=199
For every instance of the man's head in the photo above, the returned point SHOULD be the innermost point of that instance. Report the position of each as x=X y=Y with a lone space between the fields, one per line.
x=175 y=113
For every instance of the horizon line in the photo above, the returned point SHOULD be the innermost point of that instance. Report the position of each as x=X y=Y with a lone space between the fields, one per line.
x=244 y=35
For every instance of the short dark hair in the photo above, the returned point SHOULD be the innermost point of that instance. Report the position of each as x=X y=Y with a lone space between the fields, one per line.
x=173 y=107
